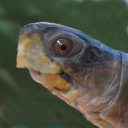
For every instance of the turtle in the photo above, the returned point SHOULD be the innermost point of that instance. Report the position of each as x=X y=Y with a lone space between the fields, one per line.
x=82 y=71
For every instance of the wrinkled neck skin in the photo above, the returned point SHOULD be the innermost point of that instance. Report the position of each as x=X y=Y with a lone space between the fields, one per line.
x=116 y=112
x=122 y=99
x=106 y=101
x=102 y=90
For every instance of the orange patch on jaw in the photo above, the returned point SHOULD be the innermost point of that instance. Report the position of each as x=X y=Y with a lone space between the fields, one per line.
x=62 y=84
x=56 y=81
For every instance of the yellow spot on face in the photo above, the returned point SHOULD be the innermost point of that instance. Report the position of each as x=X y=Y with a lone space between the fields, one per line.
x=116 y=63
x=68 y=69
x=21 y=61
x=31 y=54
x=87 y=96
x=72 y=95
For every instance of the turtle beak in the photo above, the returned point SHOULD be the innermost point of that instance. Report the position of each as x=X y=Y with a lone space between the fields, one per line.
x=31 y=53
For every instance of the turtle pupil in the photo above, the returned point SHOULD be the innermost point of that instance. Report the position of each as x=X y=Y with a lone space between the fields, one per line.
x=63 y=47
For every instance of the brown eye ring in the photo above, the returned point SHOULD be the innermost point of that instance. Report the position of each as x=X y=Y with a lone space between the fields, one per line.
x=63 y=46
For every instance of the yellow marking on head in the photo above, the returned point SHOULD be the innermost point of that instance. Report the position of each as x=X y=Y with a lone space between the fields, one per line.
x=72 y=95
x=115 y=63
x=21 y=61
x=68 y=69
x=87 y=97
x=31 y=54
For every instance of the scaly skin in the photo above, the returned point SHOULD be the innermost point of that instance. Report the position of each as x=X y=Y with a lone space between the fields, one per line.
x=92 y=77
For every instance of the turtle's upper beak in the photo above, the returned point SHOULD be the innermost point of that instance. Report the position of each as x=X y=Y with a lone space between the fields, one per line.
x=31 y=52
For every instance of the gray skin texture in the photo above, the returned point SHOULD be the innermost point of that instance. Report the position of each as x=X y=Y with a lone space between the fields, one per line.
x=99 y=71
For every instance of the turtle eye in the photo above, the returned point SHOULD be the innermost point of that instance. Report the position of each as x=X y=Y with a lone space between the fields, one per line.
x=63 y=46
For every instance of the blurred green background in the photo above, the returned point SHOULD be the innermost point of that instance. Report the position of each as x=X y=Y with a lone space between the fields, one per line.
x=22 y=100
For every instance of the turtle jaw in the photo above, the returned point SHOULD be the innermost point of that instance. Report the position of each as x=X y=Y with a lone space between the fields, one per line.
x=55 y=81
x=68 y=94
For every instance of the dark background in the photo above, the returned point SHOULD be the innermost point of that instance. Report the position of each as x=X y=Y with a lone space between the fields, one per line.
x=22 y=100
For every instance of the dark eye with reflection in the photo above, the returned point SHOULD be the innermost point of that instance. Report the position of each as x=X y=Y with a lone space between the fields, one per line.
x=63 y=46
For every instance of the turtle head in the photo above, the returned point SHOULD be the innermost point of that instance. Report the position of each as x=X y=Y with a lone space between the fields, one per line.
x=77 y=68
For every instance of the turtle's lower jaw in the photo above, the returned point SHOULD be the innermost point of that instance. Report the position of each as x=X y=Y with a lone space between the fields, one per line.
x=59 y=81
x=58 y=86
